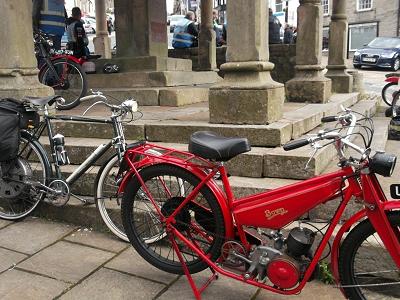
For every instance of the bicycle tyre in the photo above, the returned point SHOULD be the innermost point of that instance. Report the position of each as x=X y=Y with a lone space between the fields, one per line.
x=214 y=221
x=41 y=155
x=388 y=96
x=74 y=100
x=108 y=213
x=347 y=260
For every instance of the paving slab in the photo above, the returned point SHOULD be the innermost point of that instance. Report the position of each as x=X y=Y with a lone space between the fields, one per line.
x=66 y=261
x=131 y=262
x=32 y=234
x=109 y=284
x=98 y=240
x=4 y=223
x=223 y=288
x=17 y=284
x=313 y=291
x=8 y=259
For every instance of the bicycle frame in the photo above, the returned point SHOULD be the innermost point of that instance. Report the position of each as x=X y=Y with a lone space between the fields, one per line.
x=273 y=209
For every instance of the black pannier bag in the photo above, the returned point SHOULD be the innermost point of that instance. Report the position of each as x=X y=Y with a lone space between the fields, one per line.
x=13 y=117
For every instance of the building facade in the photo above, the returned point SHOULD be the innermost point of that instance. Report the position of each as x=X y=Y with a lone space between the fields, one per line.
x=367 y=19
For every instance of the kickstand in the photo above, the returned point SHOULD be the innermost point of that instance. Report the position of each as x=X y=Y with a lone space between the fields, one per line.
x=196 y=291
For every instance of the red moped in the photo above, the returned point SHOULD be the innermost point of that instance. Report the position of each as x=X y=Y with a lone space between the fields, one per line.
x=175 y=200
x=391 y=88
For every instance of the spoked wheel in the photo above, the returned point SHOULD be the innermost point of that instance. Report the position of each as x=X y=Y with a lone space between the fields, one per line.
x=70 y=82
x=389 y=91
x=108 y=201
x=367 y=271
x=17 y=198
x=200 y=221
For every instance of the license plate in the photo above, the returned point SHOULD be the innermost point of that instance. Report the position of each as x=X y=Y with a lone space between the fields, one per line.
x=369 y=59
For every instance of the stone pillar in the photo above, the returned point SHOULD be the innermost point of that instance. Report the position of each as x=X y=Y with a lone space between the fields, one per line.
x=342 y=82
x=18 y=71
x=309 y=84
x=141 y=28
x=207 y=44
x=102 y=42
x=247 y=95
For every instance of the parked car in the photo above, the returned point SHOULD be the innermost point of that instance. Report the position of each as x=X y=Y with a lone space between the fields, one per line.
x=90 y=25
x=383 y=52
x=172 y=20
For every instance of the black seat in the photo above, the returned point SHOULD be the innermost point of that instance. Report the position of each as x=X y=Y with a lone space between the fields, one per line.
x=40 y=101
x=209 y=145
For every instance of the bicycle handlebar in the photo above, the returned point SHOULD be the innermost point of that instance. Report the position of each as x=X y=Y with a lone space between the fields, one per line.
x=295 y=144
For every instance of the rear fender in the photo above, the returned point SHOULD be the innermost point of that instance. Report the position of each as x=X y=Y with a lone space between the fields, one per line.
x=392 y=79
x=199 y=173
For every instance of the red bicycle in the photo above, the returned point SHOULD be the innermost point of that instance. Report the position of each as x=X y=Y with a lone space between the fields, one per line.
x=60 y=70
x=201 y=225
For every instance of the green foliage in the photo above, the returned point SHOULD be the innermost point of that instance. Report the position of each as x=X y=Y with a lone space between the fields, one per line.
x=325 y=274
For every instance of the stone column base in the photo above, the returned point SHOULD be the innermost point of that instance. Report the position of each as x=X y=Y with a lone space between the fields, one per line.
x=246 y=106
x=102 y=46
x=358 y=81
x=18 y=86
x=341 y=82
x=312 y=90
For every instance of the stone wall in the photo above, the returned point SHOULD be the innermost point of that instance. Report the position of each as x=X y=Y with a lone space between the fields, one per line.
x=385 y=12
x=283 y=56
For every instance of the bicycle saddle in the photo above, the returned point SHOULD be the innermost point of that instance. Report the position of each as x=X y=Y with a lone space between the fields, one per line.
x=209 y=145
x=40 y=101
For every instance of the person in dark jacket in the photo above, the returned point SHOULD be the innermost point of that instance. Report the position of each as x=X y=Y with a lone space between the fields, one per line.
x=274 y=29
x=288 y=35
x=49 y=16
x=77 y=39
x=186 y=32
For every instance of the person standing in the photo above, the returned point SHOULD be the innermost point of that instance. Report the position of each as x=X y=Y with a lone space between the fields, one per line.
x=49 y=16
x=186 y=32
x=77 y=39
x=274 y=28
x=288 y=34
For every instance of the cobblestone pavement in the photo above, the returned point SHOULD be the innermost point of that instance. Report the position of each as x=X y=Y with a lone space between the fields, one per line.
x=41 y=259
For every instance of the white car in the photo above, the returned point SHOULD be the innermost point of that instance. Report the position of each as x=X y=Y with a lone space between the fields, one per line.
x=90 y=25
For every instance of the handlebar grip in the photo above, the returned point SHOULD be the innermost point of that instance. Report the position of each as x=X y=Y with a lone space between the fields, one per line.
x=329 y=119
x=295 y=144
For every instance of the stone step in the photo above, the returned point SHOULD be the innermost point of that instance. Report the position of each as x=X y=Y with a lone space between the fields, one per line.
x=177 y=124
x=151 y=79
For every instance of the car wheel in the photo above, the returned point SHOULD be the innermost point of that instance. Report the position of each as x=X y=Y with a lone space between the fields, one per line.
x=357 y=66
x=396 y=64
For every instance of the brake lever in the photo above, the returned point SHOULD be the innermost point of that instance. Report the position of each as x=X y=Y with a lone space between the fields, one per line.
x=316 y=147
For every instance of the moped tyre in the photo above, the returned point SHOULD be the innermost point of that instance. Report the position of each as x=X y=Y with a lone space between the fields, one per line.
x=363 y=260
x=203 y=214
x=387 y=92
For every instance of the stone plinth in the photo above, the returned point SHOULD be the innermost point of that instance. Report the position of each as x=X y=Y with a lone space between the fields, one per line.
x=309 y=84
x=18 y=72
x=247 y=95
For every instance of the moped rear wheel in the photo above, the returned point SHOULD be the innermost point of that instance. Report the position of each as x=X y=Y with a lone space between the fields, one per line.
x=200 y=221
x=367 y=271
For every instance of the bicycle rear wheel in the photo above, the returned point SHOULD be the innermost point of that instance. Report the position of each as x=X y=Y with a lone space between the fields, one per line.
x=17 y=197
x=200 y=221
x=70 y=82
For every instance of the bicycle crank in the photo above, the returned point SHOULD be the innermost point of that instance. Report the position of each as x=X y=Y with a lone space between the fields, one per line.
x=58 y=193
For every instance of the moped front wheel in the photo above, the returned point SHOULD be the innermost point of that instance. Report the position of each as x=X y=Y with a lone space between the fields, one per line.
x=200 y=221
x=389 y=91
x=367 y=271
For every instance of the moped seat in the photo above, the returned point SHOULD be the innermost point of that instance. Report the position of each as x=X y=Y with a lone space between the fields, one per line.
x=209 y=145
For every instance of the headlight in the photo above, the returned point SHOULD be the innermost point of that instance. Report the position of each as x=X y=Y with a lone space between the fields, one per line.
x=388 y=55
x=130 y=105
x=357 y=53
x=383 y=164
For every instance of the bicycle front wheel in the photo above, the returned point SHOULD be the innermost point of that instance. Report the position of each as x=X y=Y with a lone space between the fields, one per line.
x=367 y=271
x=67 y=79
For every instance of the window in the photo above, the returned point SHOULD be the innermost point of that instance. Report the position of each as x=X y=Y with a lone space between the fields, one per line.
x=361 y=34
x=278 y=6
x=325 y=7
x=325 y=39
x=364 y=5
